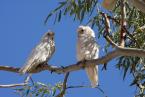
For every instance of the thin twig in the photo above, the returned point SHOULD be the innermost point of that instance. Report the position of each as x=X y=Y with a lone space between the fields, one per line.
x=107 y=30
x=62 y=93
x=32 y=81
x=27 y=78
x=19 y=84
x=13 y=85
x=82 y=86
x=125 y=29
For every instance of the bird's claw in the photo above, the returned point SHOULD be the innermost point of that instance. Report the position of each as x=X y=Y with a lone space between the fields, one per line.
x=62 y=67
x=104 y=66
x=52 y=71
x=83 y=62
x=79 y=62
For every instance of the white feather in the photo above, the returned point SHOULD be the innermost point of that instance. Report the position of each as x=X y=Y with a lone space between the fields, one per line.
x=88 y=49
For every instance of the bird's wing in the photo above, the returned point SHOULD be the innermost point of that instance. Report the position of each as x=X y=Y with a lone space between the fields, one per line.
x=92 y=70
x=39 y=55
x=91 y=49
x=88 y=49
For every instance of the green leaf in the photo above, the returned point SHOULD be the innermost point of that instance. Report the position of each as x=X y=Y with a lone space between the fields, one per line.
x=62 y=4
x=53 y=91
x=59 y=17
x=126 y=67
x=27 y=91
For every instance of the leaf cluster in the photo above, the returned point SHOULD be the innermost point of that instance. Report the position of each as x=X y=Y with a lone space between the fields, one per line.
x=39 y=89
x=135 y=37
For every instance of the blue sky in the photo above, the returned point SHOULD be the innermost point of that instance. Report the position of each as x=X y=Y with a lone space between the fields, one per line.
x=21 y=27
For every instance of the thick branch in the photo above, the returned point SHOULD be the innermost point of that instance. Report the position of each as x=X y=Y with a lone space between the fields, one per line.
x=74 y=67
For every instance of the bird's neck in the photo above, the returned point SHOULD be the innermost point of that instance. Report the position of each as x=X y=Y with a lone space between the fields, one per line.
x=85 y=38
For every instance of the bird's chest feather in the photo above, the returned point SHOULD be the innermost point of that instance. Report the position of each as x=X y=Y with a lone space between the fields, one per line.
x=46 y=50
x=87 y=48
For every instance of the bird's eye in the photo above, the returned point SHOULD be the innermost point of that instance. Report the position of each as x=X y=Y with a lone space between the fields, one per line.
x=82 y=30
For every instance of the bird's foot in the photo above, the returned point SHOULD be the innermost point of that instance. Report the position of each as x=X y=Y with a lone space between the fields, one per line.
x=104 y=66
x=62 y=67
x=82 y=62
x=52 y=71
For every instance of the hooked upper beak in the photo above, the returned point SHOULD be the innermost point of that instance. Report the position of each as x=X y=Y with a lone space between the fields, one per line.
x=51 y=33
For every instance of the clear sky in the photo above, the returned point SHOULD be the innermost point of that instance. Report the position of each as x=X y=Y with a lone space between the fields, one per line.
x=21 y=27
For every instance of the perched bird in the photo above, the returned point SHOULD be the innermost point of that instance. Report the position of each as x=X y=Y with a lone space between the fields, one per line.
x=88 y=49
x=40 y=54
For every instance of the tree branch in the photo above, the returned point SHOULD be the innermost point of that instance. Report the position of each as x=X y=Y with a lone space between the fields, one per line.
x=19 y=84
x=9 y=68
x=61 y=94
x=13 y=85
x=119 y=51
x=123 y=23
x=107 y=30
x=125 y=29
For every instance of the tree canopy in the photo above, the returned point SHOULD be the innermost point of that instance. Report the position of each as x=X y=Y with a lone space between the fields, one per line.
x=121 y=24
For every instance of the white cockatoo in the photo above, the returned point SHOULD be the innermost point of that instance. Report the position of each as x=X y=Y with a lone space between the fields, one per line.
x=88 y=49
x=40 y=54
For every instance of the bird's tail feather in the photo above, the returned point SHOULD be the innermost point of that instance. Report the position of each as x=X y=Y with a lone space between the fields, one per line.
x=92 y=72
x=24 y=69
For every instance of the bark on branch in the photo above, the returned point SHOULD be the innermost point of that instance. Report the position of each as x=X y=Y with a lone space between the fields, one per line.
x=119 y=51
x=123 y=23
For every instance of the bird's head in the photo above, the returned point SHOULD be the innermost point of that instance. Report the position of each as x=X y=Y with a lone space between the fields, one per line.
x=85 y=30
x=48 y=35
